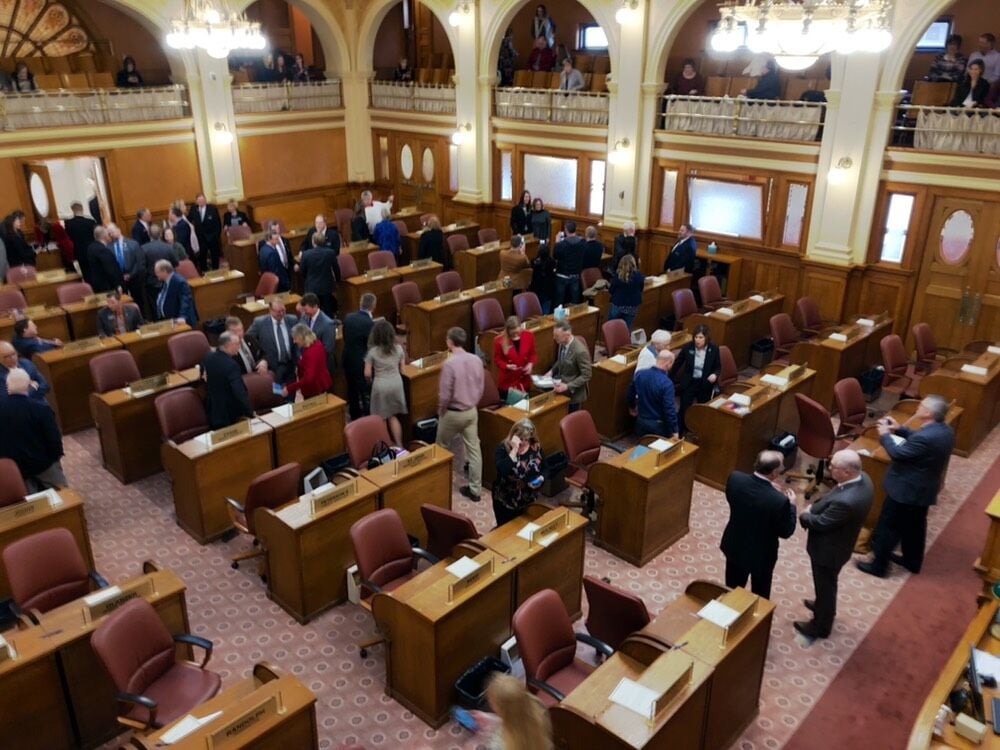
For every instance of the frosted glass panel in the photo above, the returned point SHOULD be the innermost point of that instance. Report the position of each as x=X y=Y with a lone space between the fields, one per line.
x=506 y=175
x=727 y=208
x=597 y=170
x=383 y=156
x=406 y=161
x=669 y=197
x=897 y=224
x=427 y=165
x=453 y=167
x=551 y=178
x=795 y=214
x=956 y=237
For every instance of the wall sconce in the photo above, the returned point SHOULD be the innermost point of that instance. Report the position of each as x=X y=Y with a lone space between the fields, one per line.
x=461 y=134
x=460 y=15
x=619 y=154
x=838 y=175
x=628 y=13
x=223 y=134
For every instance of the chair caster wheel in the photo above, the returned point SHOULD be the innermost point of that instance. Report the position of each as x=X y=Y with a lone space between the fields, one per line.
x=364 y=653
x=235 y=566
x=263 y=579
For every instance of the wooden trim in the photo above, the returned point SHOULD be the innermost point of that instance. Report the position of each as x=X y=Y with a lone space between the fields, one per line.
x=739 y=153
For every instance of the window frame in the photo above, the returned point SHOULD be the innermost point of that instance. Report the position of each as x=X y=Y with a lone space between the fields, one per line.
x=581 y=38
x=936 y=50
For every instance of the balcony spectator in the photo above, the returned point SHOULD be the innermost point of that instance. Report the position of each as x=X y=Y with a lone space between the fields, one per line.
x=570 y=79
x=562 y=55
x=24 y=79
x=989 y=57
x=266 y=73
x=768 y=85
x=282 y=71
x=300 y=71
x=508 y=59
x=129 y=76
x=541 y=57
x=689 y=81
x=949 y=66
x=543 y=27
x=234 y=217
x=403 y=72
x=974 y=89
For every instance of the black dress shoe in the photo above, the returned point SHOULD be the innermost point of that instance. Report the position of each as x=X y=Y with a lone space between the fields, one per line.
x=867 y=567
x=467 y=492
x=806 y=629
x=810 y=604
x=898 y=559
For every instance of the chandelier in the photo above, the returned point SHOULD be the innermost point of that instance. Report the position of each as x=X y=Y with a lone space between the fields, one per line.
x=798 y=33
x=217 y=31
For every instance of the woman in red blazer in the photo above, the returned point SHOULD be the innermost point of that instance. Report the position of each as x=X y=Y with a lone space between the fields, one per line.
x=514 y=353
x=314 y=375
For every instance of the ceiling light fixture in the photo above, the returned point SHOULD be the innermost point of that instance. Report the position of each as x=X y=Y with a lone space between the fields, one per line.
x=209 y=25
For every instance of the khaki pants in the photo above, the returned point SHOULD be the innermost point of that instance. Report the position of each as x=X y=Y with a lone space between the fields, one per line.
x=466 y=424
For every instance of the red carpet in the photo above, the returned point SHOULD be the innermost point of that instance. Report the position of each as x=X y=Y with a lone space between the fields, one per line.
x=882 y=686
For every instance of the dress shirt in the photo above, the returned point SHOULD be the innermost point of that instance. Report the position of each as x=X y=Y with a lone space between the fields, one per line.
x=461 y=384
x=699 y=362
x=247 y=356
x=281 y=339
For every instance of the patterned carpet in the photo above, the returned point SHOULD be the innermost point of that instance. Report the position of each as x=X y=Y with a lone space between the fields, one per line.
x=134 y=523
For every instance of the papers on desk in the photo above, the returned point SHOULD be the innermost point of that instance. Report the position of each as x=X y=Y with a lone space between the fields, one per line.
x=214 y=279
x=987 y=664
x=740 y=399
x=719 y=402
x=418 y=362
x=203 y=439
x=838 y=337
x=543 y=383
x=727 y=311
x=103 y=595
x=718 y=613
x=186 y=726
x=757 y=297
x=51 y=495
x=530 y=528
x=635 y=697
x=993 y=349
x=897 y=440
x=975 y=370
x=864 y=452
x=776 y=380
x=661 y=444
x=462 y=567
x=522 y=405
x=285 y=410
x=137 y=394
x=866 y=322
x=619 y=359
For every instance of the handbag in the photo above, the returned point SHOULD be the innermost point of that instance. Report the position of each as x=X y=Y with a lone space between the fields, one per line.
x=381 y=455
x=515 y=396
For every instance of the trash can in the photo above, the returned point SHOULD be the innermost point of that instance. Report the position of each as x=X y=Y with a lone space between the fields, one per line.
x=788 y=446
x=871 y=382
x=471 y=686
x=554 y=470
x=426 y=430
x=761 y=353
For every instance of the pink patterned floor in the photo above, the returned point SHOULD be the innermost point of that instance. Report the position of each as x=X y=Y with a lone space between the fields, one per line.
x=134 y=523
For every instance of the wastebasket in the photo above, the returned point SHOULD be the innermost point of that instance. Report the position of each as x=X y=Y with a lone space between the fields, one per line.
x=761 y=353
x=471 y=686
x=554 y=470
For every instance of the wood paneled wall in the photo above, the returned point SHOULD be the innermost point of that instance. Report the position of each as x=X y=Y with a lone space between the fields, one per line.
x=284 y=162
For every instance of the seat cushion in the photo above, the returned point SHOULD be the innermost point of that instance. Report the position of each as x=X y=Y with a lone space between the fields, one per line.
x=565 y=680
x=181 y=688
x=578 y=478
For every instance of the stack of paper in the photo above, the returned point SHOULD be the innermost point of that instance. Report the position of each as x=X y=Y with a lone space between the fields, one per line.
x=718 y=613
x=975 y=370
x=775 y=380
x=727 y=311
x=528 y=530
x=635 y=697
x=462 y=567
x=897 y=440
x=838 y=337
x=757 y=297
x=285 y=410
x=51 y=495
x=740 y=399
x=186 y=726
x=619 y=359
x=993 y=349
x=866 y=322
x=661 y=444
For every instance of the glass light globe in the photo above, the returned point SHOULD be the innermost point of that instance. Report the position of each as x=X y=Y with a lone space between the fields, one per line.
x=218 y=51
x=795 y=62
x=455 y=18
x=212 y=16
x=173 y=40
x=725 y=41
x=626 y=15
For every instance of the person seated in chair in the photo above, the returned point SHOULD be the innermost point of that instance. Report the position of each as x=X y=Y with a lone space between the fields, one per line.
x=116 y=317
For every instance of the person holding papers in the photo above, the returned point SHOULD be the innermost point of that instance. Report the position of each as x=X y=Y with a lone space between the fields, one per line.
x=313 y=374
x=519 y=472
x=227 y=400
x=651 y=399
x=515 y=356
x=696 y=371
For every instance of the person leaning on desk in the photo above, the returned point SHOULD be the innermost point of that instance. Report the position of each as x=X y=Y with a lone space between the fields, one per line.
x=573 y=366
x=651 y=399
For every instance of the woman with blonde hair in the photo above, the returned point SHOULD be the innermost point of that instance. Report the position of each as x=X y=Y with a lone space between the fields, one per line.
x=313 y=373
x=519 y=472
x=515 y=357
x=519 y=720
x=626 y=291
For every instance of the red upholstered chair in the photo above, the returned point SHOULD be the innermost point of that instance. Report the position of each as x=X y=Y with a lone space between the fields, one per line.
x=612 y=614
x=582 y=445
x=19 y=274
x=113 y=370
x=706 y=591
x=75 y=291
x=46 y=570
x=12 y=299
x=188 y=270
x=405 y=295
x=711 y=293
x=810 y=319
x=139 y=654
x=490 y=400
x=590 y=276
x=187 y=349
x=616 y=336
x=729 y=374
x=785 y=336
x=401 y=228
x=445 y=529
x=526 y=305
x=928 y=352
x=684 y=306
x=272 y=489
x=448 y=281
x=547 y=644
x=426 y=218
x=487 y=235
x=851 y=406
x=343 y=217
x=261 y=392
x=381 y=259
x=901 y=376
x=816 y=439
x=348 y=267
x=238 y=232
x=457 y=242
x=12 y=489
x=267 y=284
x=361 y=435
x=181 y=415
x=487 y=314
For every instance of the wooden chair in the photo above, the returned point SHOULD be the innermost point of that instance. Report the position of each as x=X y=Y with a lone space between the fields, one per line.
x=598 y=83
x=49 y=81
x=716 y=86
x=75 y=81
x=101 y=80
x=522 y=79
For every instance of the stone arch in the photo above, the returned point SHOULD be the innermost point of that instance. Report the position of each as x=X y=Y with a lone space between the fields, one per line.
x=372 y=21
x=662 y=38
x=906 y=32
x=331 y=35
x=150 y=14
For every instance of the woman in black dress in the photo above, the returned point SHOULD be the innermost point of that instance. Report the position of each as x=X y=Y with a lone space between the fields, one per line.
x=520 y=215
x=696 y=371
x=432 y=244
x=543 y=278
x=519 y=472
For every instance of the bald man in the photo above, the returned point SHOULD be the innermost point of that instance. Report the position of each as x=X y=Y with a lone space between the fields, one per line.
x=651 y=398
x=30 y=436
x=9 y=360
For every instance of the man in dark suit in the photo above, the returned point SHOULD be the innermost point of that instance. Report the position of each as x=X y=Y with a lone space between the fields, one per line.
x=272 y=334
x=625 y=244
x=593 y=249
x=174 y=301
x=208 y=228
x=319 y=267
x=682 y=255
x=105 y=272
x=182 y=230
x=833 y=523
x=227 y=398
x=30 y=436
x=331 y=237
x=273 y=258
x=115 y=317
x=94 y=206
x=919 y=460
x=357 y=326
x=248 y=356
x=152 y=253
x=130 y=259
x=9 y=359
x=80 y=229
x=323 y=326
x=568 y=253
x=760 y=513
x=140 y=230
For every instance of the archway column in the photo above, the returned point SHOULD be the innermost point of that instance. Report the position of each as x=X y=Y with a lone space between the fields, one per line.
x=211 y=98
x=472 y=106
x=357 y=126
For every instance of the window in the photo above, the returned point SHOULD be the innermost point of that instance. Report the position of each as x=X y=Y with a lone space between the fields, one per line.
x=669 y=197
x=936 y=37
x=506 y=175
x=729 y=208
x=592 y=37
x=795 y=213
x=597 y=171
x=897 y=224
x=551 y=178
x=383 y=156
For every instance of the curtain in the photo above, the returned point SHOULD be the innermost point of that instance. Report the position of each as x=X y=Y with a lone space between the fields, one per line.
x=787 y=121
x=50 y=109
x=953 y=130
x=414 y=97
x=570 y=107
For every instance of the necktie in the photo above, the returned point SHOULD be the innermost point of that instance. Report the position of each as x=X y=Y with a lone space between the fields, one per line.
x=161 y=299
x=312 y=322
x=281 y=253
x=120 y=254
x=279 y=334
x=247 y=359
x=562 y=353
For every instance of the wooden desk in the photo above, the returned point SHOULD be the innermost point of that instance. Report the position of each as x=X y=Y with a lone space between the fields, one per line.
x=294 y=727
x=739 y=331
x=202 y=477
x=42 y=291
x=405 y=490
x=249 y=311
x=411 y=240
x=308 y=556
x=643 y=508
x=952 y=676
x=67 y=370
x=128 y=428
x=429 y=322
x=83 y=316
x=242 y=257
x=978 y=394
x=52 y=324
x=359 y=251
x=729 y=269
x=657 y=301
x=479 y=264
x=987 y=565
x=19 y=521
x=349 y=293
x=835 y=360
x=420 y=384
x=150 y=349
x=310 y=437
x=410 y=215
x=57 y=679
x=48 y=258
x=213 y=295
x=731 y=441
x=495 y=424
x=423 y=275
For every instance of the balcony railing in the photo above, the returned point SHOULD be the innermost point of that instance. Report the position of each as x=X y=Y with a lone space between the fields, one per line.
x=60 y=108
x=286 y=97
x=955 y=129
x=552 y=105
x=413 y=97
x=746 y=118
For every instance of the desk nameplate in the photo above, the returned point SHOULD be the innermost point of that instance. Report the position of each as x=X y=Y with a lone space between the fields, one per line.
x=34 y=311
x=540 y=401
x=414 y=459
x=430 y=360
x=309 y=404
x=226 y=434
x=322 y=500
x=104 y=602
x=229 y=735
x=97 y=299
x=421 y=263
x=18 y=512
x=549 y=528
x=483 y=570
x=155 y=329
x=147 y=385
x=82 y=345
x=449 y=297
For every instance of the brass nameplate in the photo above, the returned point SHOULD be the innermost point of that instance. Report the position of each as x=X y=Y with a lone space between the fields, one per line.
x=219 y=274
x=283 y=296
x=668 y=453
x=377 y=273
x=632 y=355
x=308 y=404
x=230 y=734
x=549 y=528
x=492 y=286
x=793 y=372
x=533 y=324
x=20 y=511
x=543 y=399
x=450 y=297
x=430 y=360
x=422 y=263
x=93 y=342
x=495 y=245
x=34 y=311
x=46 y=276
x=155 y=329
x=462 y=585
x=675 y=274
x=142 y=588
x=358 y=244
x=96 y=299
x=580 y=309
x=413 y=460
x=239 y=429
x=333 y=495
x=151 y=383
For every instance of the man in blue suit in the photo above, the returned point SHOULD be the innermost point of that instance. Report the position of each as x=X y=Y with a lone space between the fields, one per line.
x=175 y=301
x=919 y=461
x=9 y=360
x=271 y=260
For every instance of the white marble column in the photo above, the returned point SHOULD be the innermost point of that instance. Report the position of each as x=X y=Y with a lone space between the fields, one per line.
x=357 y=126
x=211 y=98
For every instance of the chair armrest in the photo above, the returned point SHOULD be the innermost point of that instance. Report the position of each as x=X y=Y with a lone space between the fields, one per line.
x=415 y=445
x=140 y=700
x=612 y=446
x=349 y=472
x=194 y=640
x=150 y=566
x=365 y=583
x=98 y=579
x=236 y=505
x=597 y=643
x=420 y=552
x=264 y=672
x=25 y=619
x=542 y=685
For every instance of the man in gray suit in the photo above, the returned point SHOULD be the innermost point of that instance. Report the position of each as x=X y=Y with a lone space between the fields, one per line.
x=573 y=366
x=131 y=260
x=833 y=524
x=154 y=250
x=323 y=326
x=272 y=334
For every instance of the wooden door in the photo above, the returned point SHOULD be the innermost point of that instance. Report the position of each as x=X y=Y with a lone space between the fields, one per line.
x=958 y=292
x=417 y=165
x=43 y=197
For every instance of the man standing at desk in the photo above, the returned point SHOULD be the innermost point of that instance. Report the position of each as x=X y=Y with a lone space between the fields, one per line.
x=175 y=301
x=228 y=399
x=115 y=317
x=105 y=270
x=459 y=391
x=130 y=260
x=274 y=259
x=919 y=460
x=208 y=228
x=760 y=513
x=30 y=437
x=573 y=366
x=319 y=268
x=273 y=335
x=37 y=387
x=683 y=253
x=568 y=253
x=357 y=327
x=651 y=399
x=248 y=357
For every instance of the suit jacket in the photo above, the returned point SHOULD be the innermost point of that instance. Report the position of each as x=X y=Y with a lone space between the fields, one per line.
x=593 y=250
x=105 y=273
x=319 y=266
x=140 y=233
x=313 y=373
x=574 y=369
x=682 y=256
x=176 y=301
x=106 y=320
x=683 y=369
x=357 y=326
x=253 y=351
x=238 y=219
x=135 y=264
x=332 y=240
x=29 y=367
x=153 y=252
x=81 y=231
x=209 y=229
x=261 y=331
x=918 y=465
x=31 y=435
x=325 y=329
x=834 y=522
x=270 y=261
x=227 y=397
x=759 y=516
x=182 y=234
